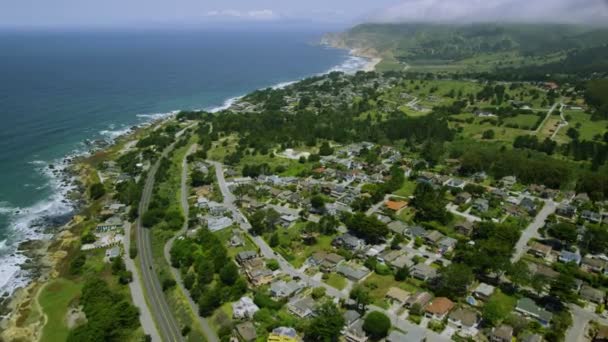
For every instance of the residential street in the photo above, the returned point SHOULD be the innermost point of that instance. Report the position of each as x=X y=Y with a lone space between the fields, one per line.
x=532 y=230
x=287 y=268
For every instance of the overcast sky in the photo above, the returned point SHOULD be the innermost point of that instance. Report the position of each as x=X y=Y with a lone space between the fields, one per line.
x=151 y=13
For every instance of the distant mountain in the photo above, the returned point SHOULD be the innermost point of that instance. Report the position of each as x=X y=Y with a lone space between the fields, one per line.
x=472 y=45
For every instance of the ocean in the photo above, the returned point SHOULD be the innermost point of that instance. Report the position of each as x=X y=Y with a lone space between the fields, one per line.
x=60 y=89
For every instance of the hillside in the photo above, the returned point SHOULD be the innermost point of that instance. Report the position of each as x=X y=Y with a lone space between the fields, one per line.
x=434 y=47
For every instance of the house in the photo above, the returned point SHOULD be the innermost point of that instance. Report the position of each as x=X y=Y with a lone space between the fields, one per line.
x=327 y=262
x=302 y=307
x=383 y=218
x=481 y=204
x=439 y=308
x=508 y=181
x=112 y=223
x=568 y=257
x=566 y=210
x=404 y=260
x=540 y=250
x=542 y=270
x=503 y=333
x=591 y=216
x=398 y=227
x=463 y=198
x=480 y=176
x=243 y=256
x=455 y=183
x=245 y=332
x=395 y=205
x=602 y=334
x=283 y=334
x=245 y=308
x=447 y=244
x=218 y=223
x=528 y=205
x=282 y=289
x=423 y=272
x=417 y=335
x=353 y=273
x=421 y=299
x=389 y=255
x=433 y=237
x=112 y=253
x=483 y=291
x=528 y=308
x=348 y=241
x=350 y=317
x=236 y=240
x=355 y=332
x=415 y=232
x=288 y=220
x=465 y=228
x=483 y=114
x=590 y=294
x=259 y=276
x=465 y=320
x=397 y=295
x=593 y=265
x=532 y=338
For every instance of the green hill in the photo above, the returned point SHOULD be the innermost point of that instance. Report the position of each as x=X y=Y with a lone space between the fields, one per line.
x=472 y=47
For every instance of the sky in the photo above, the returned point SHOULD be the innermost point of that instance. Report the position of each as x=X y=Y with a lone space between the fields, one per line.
x=160 y=13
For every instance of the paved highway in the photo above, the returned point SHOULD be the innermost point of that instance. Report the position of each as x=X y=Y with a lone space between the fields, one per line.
x=165 y=322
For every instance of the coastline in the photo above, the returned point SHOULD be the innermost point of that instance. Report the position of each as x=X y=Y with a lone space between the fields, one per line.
x=44 y=253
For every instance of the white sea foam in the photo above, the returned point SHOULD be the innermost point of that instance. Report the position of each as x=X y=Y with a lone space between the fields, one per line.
x=227 y=104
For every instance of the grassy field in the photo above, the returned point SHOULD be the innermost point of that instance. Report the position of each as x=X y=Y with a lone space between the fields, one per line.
x=291 y=246
x=549 y=127
x=407 y=189
x=55 y=299
x=523 y=121
x=582 y=122
x=336 y=281
x=379 y=285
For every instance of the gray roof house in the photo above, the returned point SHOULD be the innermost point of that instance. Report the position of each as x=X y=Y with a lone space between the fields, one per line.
x=415 y=231
x=302 y=307
x=528 y=307
x=593 y=295
x=568 y=257
x=481 y=204
x=398 y=227
x=282 y=289
x=423 y=272
x=591 y=216
x=352 y=273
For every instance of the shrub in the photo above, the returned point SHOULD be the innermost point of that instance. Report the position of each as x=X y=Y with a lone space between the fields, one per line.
x=377 y=325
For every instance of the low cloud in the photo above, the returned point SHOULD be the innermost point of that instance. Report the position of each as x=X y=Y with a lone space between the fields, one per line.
x=262 y=14
x=564 y=11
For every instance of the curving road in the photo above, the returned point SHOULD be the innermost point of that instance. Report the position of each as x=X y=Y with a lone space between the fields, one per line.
x=207 y=330
x=166 y=323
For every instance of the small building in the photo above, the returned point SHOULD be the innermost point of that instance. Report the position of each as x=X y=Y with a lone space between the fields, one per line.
x=415 y=232
x=245 y=308
x=433 y=237
x=447 y=244
x=423 y=272
x=528 y=205
x=591 y=216
x=302 y=307
x=245 y=332
x=532 y=338
x=112 y=253
x=465 y=320
x=112 y=223
x=481 y=204
x=590 y=294
x=288 y=220
x=439 y=308
x=528 y=308
x=593 y=265
x=353 y=273
x=462 y=198
x=283 y=334
x=397 y=295
x=327 y=262
x=540 y=250
x=398 y=227
x=243 y=256
x=508 y=181
x=355 y=332
x=503 y=333
x=350 y=317
x=218 y=223
x=568 y=257
x=455 y=183
x=348 y=242
x=282 y=289
x=566 y=210
x=421 y=298
x=465 y=228
x=483 y=291
x=395 y=205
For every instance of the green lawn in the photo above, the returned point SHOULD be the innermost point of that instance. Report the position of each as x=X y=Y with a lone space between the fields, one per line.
x=291 y=246
x=55 y=299
x=407 y=189
x=523 y=121
x=582 y=122
x=336 y=281
x=379 y=285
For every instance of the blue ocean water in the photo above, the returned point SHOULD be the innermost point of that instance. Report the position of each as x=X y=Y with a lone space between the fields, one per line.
x=58 y=89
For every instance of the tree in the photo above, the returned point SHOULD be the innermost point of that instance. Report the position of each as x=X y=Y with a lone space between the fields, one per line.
x=497 y=308
x=274 y=240
x=361 y=296
x=317 y=202
x=377 y=325
x=318 y=292
x=573 y=133
x=563 y=231
x=488 y=135
x=272 y=264
x=327 y=324
x=454 y=280
x=562 y=287
x=325 y=149
x=96 y=191
x=367 y=227
x=402 y=274
x=396 y=242
x=430 y=204
x=229 y=274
